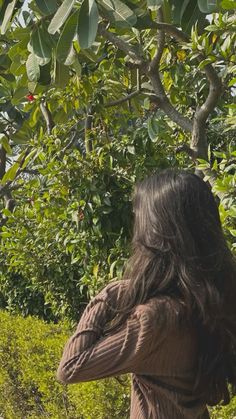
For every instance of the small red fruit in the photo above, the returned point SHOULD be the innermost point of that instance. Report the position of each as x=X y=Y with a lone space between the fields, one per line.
x=81 y=215
x=30 y=97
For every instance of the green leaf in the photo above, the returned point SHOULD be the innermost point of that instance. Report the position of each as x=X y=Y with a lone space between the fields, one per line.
x=119 y=13
x=179 y=8
x=228 y=4
x=5 y=61
x=41 y=45
x=7 y=17
x=61 y=75
x=88 y=23
x=11 y=173
x=202 y=4
x=208 y=6
x=45 y=74
x=5 y=143
x=208 y=60
x=30 y=157
x=213 y=5
x=19 y=95
x=17 y=68
x=154 y=4
x=47 y=7
x=153 y=128
x=232 y=82
x=191 y=16
x=64 y=44
x=8 y=77
x=61 y=15
x=32 y=67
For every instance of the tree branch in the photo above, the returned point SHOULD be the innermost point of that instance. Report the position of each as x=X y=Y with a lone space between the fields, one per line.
x=123 y=99
x=8 y=200
x=198 y=126
x=162 y=99
x=122 y=45
x=47 y=116
x=87 y=129
x=173 y=31
x=8 y=187
x=154 y=65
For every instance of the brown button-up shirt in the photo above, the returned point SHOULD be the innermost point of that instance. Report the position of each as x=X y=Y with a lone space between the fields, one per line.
x=162 y=362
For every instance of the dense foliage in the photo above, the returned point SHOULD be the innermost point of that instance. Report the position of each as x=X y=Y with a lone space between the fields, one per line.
x=28 y=363
x=83 y=117
x=94 y=95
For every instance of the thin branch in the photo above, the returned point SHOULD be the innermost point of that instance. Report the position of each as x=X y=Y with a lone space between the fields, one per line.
x=123 y=99
x=122 y=45
x=162 y=99
x=71 y=142
x=47 y=116
x=88 y=128
x=173 y=31
x=154 y=64
x=215 y=89
x=9 y=201
x=213 y=79
x=8 y=187
x=184 y=148
x=164 y=104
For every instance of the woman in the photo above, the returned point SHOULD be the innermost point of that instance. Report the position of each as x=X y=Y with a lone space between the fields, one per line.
x=171 y=321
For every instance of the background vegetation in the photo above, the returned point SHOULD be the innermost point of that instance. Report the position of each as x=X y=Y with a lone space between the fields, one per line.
x=94 y=95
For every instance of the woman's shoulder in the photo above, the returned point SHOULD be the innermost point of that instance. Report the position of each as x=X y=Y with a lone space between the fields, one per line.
x=162 y=310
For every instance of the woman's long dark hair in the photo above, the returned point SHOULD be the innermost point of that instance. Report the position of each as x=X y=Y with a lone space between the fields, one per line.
x=179 y=252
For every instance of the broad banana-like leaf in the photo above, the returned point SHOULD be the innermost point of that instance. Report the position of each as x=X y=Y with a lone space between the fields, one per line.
x=61 y=15
x=88 y=23
x=64 y=44
x=32 y=67
x=118 y=13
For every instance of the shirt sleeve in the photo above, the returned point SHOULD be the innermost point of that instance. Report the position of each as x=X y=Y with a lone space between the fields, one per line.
x=89 y=355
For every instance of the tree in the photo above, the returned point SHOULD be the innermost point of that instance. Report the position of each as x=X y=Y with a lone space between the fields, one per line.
x=103 y=93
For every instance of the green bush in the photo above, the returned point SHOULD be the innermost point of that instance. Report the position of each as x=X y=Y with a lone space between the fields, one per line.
x=29 y=354
x=30 y=350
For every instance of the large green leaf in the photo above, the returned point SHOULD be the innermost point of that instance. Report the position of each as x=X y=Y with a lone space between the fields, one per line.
x=47 y=7
x=4 y=141
x=45 y=75
x=5 y=61
x=7 y=17
x=88 y=23
x=3 y=7
x=64 y=44
x=178 y=10
x=17 y=68
x=19 y=95
x=8 y=77
x=61 y=75
x=191 y=16
x=11 y=173
x=228 y=4
x=208 y=6
x=60 y=16
x=118 y=12
x=41 y=45
x=154 y=4
x=32 y=67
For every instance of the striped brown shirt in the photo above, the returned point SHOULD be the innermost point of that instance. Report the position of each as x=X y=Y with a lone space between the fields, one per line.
x=162 y=362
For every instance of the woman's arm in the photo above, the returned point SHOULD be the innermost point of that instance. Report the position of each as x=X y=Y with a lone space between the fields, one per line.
x=89 y=355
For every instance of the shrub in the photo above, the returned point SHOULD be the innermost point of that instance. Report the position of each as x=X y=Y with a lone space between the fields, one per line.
x=29 y=354
x=30 y=350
